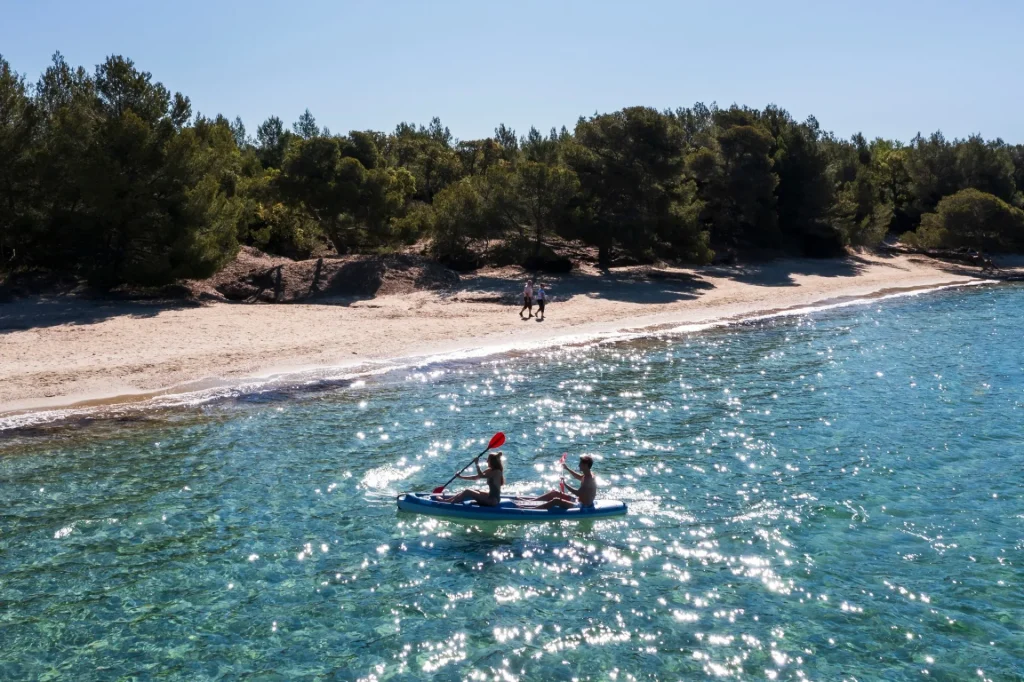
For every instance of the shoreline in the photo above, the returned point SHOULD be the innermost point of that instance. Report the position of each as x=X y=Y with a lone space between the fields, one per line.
x=455 y=343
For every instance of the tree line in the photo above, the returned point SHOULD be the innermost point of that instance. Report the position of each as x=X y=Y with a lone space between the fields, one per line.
x=109 y=176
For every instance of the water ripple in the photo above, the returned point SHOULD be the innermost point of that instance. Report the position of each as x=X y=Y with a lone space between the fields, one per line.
x=828 y=496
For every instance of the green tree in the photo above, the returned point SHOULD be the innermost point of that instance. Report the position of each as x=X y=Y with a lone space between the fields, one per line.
x=986 y=166
x=271 y=142
x=162 y=200
x=858 y=214
x=633 y=193
x=459 y=218
x=365 y=147
x=805 y=192
x=931 y=165
x=697 y=124
x=426 y=153
x=477 y=156
x=277 y=228
x=863 y=211
x=889 y=165
x=736 y=180
x=439 y=133
x=18 y=130
x=354 y=205
x=66 y=103
x=238 y=130
x=1017 y=154
x=528 y=202
x=507 y=140
x=133 y=195
x=547 y=192
x=971 y=218
x=539 y=149
x=317 y=176
x=306 y=126
x=383 y=199
x=108 y=175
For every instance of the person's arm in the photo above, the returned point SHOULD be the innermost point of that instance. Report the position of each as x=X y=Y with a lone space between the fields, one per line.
x=479 y=473
x=577 y=476
x=574 y=491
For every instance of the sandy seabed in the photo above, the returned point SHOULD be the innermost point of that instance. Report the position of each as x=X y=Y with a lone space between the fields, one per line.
x=57 y=352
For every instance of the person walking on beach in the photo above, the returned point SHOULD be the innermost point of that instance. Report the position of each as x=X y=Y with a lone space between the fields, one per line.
x=541 y=298
x=527 y=299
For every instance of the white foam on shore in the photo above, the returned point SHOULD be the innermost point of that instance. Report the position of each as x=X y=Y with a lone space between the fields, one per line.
x=354 y=374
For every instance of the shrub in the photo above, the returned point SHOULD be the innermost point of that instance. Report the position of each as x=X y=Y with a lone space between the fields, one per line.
x=284 y=231
x=973 y=219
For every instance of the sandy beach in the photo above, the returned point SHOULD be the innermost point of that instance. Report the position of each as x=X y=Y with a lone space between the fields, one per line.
x=60 y=351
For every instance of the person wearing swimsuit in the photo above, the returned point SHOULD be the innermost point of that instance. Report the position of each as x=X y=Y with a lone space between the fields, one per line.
x=584 y=495
x=494 y=474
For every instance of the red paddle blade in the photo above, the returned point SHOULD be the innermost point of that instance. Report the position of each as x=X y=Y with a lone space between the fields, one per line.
x=438 y=490
x=496 y=441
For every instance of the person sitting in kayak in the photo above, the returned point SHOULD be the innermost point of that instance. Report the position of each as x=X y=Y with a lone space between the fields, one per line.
x=584 y=495
x=494 y=474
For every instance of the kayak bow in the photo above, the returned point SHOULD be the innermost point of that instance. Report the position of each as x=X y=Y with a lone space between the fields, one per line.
x=508 y=510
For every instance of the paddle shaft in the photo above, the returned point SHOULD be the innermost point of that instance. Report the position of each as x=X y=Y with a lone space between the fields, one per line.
x=497 y=440
x=438 y=491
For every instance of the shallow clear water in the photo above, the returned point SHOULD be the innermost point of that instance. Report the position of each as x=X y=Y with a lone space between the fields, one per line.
x=836 y=496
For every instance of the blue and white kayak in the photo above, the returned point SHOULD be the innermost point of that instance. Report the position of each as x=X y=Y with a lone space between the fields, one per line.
x=508 y=510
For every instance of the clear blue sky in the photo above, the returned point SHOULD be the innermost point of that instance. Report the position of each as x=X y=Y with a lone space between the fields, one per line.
x=889 y=68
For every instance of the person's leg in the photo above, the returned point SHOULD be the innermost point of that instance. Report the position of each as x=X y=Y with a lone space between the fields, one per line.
x=459 y=496
x=481 y=498
x=553 y=495
x=559 y=504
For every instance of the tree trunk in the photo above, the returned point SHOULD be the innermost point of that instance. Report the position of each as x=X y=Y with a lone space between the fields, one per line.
x=604 y=256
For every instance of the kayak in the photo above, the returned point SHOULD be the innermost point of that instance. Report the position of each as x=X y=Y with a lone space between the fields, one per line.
x=508 y=510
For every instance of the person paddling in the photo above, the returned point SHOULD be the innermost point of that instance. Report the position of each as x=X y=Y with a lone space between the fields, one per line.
x=527 y=299
x=494 y=474
x=584 y=495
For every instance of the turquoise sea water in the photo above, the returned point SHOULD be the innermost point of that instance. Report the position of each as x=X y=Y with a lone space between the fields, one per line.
x=832 y=496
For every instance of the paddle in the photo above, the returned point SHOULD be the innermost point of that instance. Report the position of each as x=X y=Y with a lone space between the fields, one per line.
x=561 y=463
x=496 y=442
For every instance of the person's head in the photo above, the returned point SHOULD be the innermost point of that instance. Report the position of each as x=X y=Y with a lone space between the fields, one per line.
x=586 y=462
x=494 y=462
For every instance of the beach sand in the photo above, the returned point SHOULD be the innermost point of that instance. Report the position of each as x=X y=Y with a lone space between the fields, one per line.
x=60 y=351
